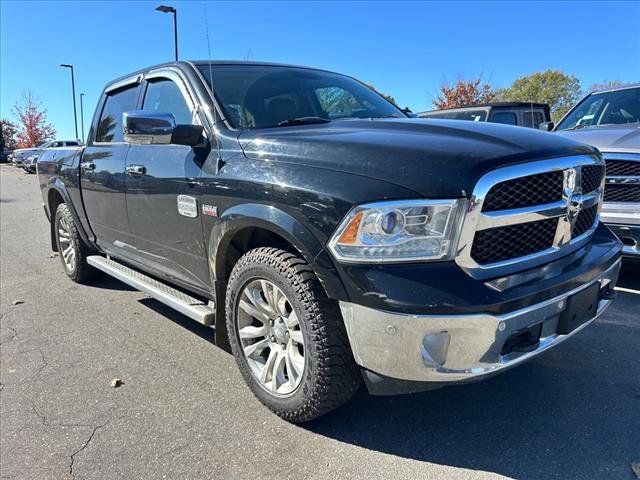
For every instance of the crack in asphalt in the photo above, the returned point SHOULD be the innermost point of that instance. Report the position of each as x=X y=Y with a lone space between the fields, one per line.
x=86 y=444
x=14 y=333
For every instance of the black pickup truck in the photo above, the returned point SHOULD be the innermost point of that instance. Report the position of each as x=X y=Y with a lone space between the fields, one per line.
x=328 y=237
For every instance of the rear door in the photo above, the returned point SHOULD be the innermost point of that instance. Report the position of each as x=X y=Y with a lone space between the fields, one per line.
x=102 y=171
x=163 y=192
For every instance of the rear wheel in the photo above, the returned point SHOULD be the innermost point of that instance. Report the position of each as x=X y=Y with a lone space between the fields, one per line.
x=287 y=337
x=72 y=250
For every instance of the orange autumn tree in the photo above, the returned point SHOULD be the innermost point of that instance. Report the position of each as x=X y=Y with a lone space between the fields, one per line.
x=33 y=127
x=463 y=93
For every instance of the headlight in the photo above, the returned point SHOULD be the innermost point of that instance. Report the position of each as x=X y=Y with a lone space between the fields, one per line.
x=399 y=231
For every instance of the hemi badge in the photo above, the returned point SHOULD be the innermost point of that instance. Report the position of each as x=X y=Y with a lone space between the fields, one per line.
x=209 y=210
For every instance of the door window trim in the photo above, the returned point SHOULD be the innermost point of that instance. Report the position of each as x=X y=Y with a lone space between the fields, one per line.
x=123 y=84
x=174 y=75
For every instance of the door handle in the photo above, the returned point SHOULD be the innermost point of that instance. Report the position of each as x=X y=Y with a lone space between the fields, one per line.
x=136 y=169
x=88 y=166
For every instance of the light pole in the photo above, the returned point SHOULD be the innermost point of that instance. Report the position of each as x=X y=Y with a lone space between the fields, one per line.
x=73 y=91
x=81 y=117
x=168 y=9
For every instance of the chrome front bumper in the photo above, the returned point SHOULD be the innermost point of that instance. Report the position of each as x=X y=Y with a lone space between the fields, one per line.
x=456 y=348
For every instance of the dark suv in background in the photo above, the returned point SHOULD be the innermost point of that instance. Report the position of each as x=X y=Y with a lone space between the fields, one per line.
x=523 y=114
x=610 y=121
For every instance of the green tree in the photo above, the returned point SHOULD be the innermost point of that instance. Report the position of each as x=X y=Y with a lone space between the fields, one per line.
x=560 y=90
x=388 y=97
x=8 y=134
x=605 y=85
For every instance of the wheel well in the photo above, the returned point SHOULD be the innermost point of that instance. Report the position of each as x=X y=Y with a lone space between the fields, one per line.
x=54 y=199
x=242 y=241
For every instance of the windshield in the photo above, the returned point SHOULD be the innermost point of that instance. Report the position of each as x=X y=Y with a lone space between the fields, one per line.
x=263 y=96
x=607 y=108
x=43 y=145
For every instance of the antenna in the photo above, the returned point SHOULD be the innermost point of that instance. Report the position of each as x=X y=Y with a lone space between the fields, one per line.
x=206 y=25
x=219 y=161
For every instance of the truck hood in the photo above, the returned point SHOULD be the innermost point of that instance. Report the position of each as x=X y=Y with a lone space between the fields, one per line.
x=609 y=138
x=434 y=158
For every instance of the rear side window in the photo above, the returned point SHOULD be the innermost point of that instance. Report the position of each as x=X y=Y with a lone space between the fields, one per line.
x=72 y=144
x=110 y=123
x=165 y=96
x=532 y=118
x=508 y=118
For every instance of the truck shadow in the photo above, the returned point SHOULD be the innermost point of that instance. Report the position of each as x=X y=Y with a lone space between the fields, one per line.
x=572 y=413
x=204 y=332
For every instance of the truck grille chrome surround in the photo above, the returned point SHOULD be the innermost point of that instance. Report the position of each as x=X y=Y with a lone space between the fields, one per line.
x=566 y=194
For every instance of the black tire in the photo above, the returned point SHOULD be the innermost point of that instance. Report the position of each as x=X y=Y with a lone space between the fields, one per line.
x=331 y=376
x=81 y=270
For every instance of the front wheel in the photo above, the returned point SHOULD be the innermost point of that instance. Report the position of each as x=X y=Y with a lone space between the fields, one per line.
x=288 y=337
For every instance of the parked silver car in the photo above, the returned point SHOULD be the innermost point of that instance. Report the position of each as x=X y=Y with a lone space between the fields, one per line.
x=610 y=121
x=19 y=155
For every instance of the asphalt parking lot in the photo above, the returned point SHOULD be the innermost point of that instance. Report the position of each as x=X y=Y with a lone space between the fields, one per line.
x=184 y=411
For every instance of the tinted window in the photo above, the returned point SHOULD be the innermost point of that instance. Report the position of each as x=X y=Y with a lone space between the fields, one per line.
x=261 y=96
x=72 y=144
x=110 y=123
x=508 y=118
x=532 y=118
x=165 y=96
x=471 y=115
x=607 y=108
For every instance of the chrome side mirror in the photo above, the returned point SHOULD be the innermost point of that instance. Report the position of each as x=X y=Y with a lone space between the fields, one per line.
x=148 y=128
x=144 y=127
x=546 y=126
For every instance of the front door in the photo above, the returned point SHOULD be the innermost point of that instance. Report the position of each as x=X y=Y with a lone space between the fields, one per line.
x=163 y=193
x=102 y=173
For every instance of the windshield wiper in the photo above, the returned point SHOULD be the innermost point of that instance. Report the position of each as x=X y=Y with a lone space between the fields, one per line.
x=303 y=121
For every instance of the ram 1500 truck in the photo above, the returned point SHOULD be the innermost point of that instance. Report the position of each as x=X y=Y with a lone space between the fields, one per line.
x=326 y=236
x=610 y=121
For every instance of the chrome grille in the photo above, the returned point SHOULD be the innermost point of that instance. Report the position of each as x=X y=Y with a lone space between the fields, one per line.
x=525 y=191
x=623 y=178
x=592 y=178
x=622 y=193
x=531 y=212
x=502 y=243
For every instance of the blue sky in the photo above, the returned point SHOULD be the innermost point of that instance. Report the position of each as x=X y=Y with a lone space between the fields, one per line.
x=406 y=49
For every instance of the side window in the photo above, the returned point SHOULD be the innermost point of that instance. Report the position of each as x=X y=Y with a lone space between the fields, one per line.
x=72 y=144
x=508 y=118
x=56 y=144
x=110 y=123
x=532 y=118
x=165 y=96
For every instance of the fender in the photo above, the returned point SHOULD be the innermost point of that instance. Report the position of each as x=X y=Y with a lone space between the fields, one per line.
x=55 y=183
x=282 y=224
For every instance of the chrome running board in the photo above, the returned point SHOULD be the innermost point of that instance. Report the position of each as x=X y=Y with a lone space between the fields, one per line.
x=180 y=301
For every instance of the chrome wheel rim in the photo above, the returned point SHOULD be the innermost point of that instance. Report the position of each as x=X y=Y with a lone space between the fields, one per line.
x=65 y=243
x=270 y=337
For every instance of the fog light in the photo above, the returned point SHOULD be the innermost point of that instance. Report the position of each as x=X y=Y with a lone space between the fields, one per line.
x=434 y=349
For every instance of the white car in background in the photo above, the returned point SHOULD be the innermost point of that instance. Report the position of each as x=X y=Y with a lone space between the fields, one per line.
x=19 y=156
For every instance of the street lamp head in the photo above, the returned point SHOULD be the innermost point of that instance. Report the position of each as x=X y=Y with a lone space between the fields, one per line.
x=166 y=9
x=66 y=65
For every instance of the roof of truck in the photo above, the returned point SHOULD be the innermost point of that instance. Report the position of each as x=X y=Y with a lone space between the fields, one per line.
x=495 y=104
x=204 y=63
